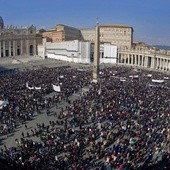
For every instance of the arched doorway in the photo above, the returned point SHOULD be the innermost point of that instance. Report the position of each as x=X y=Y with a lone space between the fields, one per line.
x=31 y=50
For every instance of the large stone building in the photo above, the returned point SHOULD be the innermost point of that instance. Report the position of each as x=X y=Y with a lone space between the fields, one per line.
x=62 y=33
x=77 y=51
x=71 y=51
x=119 y=35
x=18 y=41
x=118 y=39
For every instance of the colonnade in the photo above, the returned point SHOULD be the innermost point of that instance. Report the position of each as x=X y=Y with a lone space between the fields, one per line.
x=17 y=47
x=155 y=61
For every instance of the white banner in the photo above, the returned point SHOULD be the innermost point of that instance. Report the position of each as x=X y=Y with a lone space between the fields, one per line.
x=134 y=76
x=37 y=88
x=56 y=88
x=157 y=81
x=149 y=75
x=32 y=88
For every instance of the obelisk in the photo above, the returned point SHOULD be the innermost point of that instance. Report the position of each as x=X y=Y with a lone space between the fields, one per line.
x=96 y=55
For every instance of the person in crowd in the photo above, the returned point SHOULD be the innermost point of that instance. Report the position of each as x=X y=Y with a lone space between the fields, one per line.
x=120 y=122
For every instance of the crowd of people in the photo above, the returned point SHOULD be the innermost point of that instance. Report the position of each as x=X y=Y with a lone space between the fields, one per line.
x=120 y=122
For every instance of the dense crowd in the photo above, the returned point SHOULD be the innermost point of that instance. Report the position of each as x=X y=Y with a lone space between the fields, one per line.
x=120 y=122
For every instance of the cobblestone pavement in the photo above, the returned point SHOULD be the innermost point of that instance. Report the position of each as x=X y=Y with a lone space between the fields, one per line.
x=33 y=62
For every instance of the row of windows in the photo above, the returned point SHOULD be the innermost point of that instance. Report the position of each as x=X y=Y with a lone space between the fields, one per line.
x=108 y=35
x=115 y=35
x=115 y=29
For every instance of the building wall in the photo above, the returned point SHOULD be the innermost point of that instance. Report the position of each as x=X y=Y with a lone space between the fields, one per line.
x=18 y=41
x=77 y=51
x=120 y=35
x=88 y=34
x=72 y=51
x=62 y=33
x=151 y=59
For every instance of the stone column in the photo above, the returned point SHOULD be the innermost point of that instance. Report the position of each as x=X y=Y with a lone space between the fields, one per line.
x=132 y=60
x=138 y=60
x=4 y=55
x=9 y=48
x=27 y=47
x=14 y=48
x=152 y=62
x=96 y=55
x=35 y=48
x=163 y=64
x=146 y=61
x=21 y=47
x=163 y=61
x=135 y=59
x=128 y=59
x=0 y=48
x=142 y=60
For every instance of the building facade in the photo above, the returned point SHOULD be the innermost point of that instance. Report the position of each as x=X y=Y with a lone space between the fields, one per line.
x=62 y=33
x=71 y=51
x=18 y=41
x=119 y=35
x=152 y=59
x=77 y=51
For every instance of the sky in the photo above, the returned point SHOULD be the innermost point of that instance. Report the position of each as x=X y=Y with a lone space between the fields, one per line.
x=150 y=19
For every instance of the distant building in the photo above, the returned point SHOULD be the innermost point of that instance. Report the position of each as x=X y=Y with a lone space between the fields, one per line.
x=71 y=51
x=119 y=35
x=77 y=51
x=18 y=41
x=62 y=33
